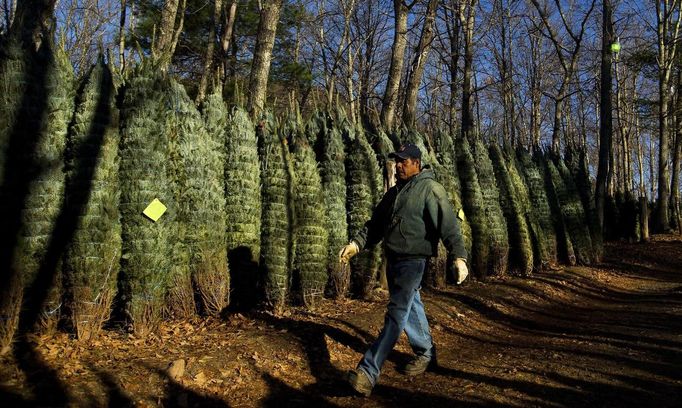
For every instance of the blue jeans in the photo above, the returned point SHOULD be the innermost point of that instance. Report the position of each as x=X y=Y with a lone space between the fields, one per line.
x=405 y=312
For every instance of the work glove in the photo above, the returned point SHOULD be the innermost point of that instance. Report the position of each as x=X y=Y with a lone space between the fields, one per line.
x=461 y=270
x=348 y=251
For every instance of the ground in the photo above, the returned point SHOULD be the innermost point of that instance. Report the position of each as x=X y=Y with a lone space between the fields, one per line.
x=602 y=336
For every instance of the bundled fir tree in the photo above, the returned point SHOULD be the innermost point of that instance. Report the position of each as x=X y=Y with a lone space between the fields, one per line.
x=553 y=186
x=472 y=200
x=497 y=225
x=146 y=265
x=200 y=251
x=331 y=156
x=573 y=213
x=92 y=259
x=581 y=175
x=363 y=189
x=311 y=233
x=539 y=205
x=520 y=242
x=212 y=281
x=538 y=240
x=243 y=206
x=277 y=214
x=445 y=154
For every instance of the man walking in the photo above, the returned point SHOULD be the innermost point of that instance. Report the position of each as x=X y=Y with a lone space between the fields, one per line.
x=410 y=219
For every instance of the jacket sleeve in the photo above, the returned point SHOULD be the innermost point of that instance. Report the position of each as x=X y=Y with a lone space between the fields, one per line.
x=373 y=231
x=442 y=216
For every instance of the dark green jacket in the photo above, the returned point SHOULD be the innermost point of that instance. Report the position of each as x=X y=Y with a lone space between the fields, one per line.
x=411 y=218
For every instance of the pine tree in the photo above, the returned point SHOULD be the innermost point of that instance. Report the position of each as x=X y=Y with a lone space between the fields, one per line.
x=147 y=259
x=243 y=206
x=497 y=225
x=277 y=214
x=521 y=247
x=92 y=259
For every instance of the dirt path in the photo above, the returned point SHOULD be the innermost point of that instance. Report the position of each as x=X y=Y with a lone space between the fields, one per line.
x=609 y=336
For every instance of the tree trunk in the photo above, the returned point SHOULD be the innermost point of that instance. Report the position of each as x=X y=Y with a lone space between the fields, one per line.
x=225 y=38
x=454 y=28
x=265 y=40
x=161 y=50
x=210 y=46
x=677 y=156
x=418 y=63
x=122 y=38
x=467 y=16
x=535 y=90
x=33 y=21
x=605 y=111
x=662 y=219
x=390 y=99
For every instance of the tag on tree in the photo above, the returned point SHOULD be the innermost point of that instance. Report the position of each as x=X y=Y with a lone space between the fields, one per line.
x=460 y=214
x=154 y=210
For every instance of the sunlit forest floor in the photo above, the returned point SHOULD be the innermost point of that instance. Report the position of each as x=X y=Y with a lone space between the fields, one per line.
x=605 y=336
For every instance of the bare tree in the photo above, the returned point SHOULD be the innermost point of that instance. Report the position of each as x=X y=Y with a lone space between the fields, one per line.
x=390 y=99
x=421 y=53
x=210 y=46
x=668 y=17
x=467 y=17
x=567 y=56
x=262 y=55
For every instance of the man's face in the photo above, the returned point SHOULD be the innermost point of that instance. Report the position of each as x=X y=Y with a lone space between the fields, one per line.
x=406 y=168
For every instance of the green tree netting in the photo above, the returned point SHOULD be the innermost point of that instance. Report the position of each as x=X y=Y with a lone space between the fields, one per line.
x=553 y=186
x=212 y=276
x=147 y=258
x=277 y=214
x=92 y=260
x=311 y=233
x=574 y=214
x=497 y=225
x=445 y=154
x=580 y=171
x=243 y=206
x=15 y=108
x=539 y=204
x=520 y=240
x=538 y=240
x=200 y=193
x=474 y=207
x=363 y=189
x=331 y=156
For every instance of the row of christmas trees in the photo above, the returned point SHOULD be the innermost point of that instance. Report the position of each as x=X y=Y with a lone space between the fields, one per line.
x=256 y=212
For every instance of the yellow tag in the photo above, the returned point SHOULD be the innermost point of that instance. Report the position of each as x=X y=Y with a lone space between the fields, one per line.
x=155 y=210
x=460 y=214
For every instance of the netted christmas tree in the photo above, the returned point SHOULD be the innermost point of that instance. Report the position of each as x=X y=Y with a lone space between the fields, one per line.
x=577 y=162
x=573 y=213
x=243 y=206
x=212 y=281
x=533 y=177
x=537 y=237
x=497 y=225
x=200 y=252
x=277 y=234
x=147 y=258
x=311 y=235
x=445 y=154
x=553 y=185
x=331 y=156
x=363 y=190
x=91 y=263
x=15 y=112
x=520 y=240
x=472 y=200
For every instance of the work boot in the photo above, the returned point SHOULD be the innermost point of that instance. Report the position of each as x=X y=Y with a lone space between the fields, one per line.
x=420 y=364
x=359 y=382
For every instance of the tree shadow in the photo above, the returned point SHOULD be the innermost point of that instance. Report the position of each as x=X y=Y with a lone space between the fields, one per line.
x=177 y=395
x=21 y=169
x=244 y=277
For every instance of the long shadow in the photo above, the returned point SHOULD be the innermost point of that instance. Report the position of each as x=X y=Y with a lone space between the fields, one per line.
x=180 y=396
x=116 y=397
x=21 y=170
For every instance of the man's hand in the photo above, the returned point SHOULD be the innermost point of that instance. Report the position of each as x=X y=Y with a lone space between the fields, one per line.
x=348 y=251
x=461 y=270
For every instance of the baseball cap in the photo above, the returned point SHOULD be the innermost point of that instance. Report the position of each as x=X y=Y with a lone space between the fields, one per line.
x=407 y=151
